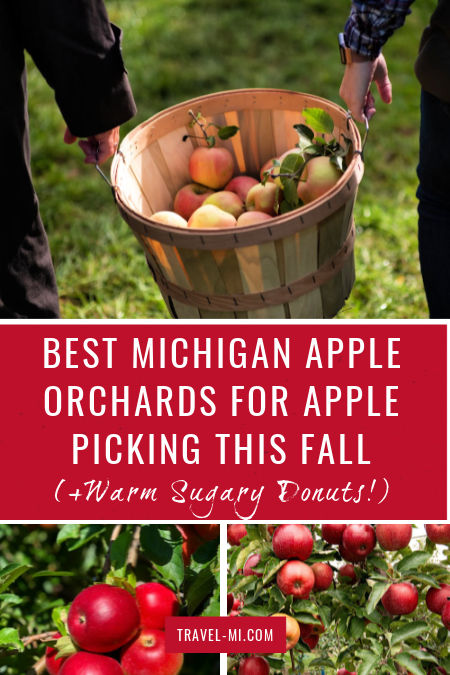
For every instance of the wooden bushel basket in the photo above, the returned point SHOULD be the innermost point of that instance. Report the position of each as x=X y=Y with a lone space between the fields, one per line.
x=298 y=265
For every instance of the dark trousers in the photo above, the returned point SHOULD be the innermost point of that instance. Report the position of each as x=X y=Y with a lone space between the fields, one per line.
x=27 y=278
x=434 y=204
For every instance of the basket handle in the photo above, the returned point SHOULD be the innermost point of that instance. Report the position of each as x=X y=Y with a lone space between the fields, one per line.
x=103 y=175
x=366 y=134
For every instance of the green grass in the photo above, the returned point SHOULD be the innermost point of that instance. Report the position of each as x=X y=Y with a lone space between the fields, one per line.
x=178 y=50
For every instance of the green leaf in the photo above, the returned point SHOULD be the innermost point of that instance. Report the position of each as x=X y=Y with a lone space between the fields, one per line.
x=59 y=619
x=119 y=552
x=290 y=191
x=65 y=647
x=412 y=629
x=70 y=531
x=319 y=120
x=376 y=594
x=305 y=131
x=412 y=561
x=162 y=545
x=203 y=584
x=410 y=663
x=244 y=553
x=10 y=573
x=227 y=132
x=357 y=627
x=53 y=573
x=211 y=140
x=9 y=637
x=368 y=663
x=87 y=533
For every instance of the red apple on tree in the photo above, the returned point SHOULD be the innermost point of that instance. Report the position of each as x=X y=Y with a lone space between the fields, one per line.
x=235 y=534
x=445 y=614
x=208 y=532
x=438 y=534
x=156 y=602
x=147 y=654
x=311 y=640
x=350 y=556
x=251 y=562
x=393 y=537
x=53 y=664
x=292 y=541
x=295 y=578
x=347 y=574
x=344 y=671
x=359 y=540
x=400 y=598
x=332 y=533
x=212 y=167
x=323 y=575
x=189 y=198
x=84 y=663
x=103 y=618
x=254 y=665
x=230 y=602
x=437 y=597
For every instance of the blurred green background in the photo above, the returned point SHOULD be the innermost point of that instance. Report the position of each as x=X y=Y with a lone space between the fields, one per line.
x=185 y=48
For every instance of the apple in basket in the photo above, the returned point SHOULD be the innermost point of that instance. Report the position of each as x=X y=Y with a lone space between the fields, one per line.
x=321 y=174
x=262 y=198
x=241 y=185
x=227 y=201
x=252 y=218
x=211 y=217
x=189 y=198
x=169 y=218
x=212 y=167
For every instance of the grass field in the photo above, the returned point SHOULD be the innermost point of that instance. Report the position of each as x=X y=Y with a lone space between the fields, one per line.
x=175 y=51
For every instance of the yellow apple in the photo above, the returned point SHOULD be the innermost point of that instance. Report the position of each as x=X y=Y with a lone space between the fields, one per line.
x=227 y=201
x=252 y=217
x=212 y=167
x=262 y=198
x=169 y=218
x=321 y=176
x=211 y=217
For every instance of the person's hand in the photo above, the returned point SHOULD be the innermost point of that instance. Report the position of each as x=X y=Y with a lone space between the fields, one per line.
x=355 y=86
x=96 y=148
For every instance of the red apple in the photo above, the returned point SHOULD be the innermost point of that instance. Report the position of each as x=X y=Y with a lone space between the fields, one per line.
x=212 y=167
x=208 y=532
x=227 y=201
x=400 y=598
x=53 y=664
x=321 y=175
x=241 y=185
x=155 y=602
x=350 y=557
x=344 y=671
x=302 y=192
x=292 y=541
x=347 y=574
x=323 y=575
x=393 y=537
x=230 y=602
x=147 y=654
x=235 y=534
x=189 y=198
x=445 y=614
x=292 y=630
x=268 y=166
x=254 y=665
x=359 y=540
x=84 y=663
x=438 y=534
x=252 y=218
x=209 y=217
x=311 y=640
x=296 y=578
x=191 y=542
x=251 y=562
x=332 y=534
x=262 y=198
x=437 y=597
x=237 y=607
x=102 y=618
x=169 y=218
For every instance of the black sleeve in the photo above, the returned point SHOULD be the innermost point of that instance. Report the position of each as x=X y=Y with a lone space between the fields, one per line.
x=78 y=51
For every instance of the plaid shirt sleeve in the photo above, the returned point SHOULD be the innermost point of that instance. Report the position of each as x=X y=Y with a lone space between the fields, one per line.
x=372 y=22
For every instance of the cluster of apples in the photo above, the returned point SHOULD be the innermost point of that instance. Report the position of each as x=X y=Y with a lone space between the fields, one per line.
x=294 y=543
x=117 y=633
x=215 y=199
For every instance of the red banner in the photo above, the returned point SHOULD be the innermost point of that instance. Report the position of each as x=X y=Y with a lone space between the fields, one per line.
x=261 y=635
x=174 y=421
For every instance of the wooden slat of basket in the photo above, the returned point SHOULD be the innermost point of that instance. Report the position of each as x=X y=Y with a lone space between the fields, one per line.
x=156 y=186
x=249 y=141
x=177 y=153
x=300 y=252
x=348 y=270
x=232 y=119
x=259 y=271
x=333 y=231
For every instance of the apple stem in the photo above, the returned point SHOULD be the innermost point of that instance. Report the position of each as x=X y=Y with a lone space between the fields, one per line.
x=196 y=120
